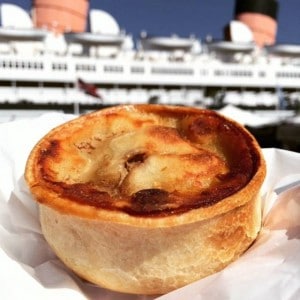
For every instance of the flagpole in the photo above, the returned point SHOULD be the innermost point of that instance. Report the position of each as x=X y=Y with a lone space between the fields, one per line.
x=76 y=109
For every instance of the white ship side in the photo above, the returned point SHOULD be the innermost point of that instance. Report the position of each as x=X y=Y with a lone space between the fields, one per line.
x=38 y=67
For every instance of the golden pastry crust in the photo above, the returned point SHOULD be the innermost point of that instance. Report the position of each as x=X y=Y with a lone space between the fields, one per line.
x=148 y=170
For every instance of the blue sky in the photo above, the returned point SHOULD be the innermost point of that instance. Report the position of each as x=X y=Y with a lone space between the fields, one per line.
x=198 y=17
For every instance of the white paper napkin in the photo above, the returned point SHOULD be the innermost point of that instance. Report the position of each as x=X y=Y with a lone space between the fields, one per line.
x=270 y=269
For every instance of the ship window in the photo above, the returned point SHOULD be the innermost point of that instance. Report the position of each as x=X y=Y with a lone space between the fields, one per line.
x=113 y=69
x=288 y=74
x=238 y=73
x=24 y=65
x=85 y=67
x=173 y=71
x=137 y=70
x=261 y=74
x=221 y=73
x=21 y=64
x=59 y=66
x=35 y=65
x=235 y=73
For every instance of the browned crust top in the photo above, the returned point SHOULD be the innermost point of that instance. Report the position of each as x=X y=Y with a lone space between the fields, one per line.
x=144 y=160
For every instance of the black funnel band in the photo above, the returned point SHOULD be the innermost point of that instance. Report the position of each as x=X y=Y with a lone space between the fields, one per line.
x=265 y=7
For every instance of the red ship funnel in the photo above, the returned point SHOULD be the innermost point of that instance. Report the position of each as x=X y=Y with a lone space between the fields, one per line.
x=60 y=16
x=261 y=17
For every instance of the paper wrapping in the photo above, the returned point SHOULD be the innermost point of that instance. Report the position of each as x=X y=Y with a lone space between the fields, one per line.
x=270 y=269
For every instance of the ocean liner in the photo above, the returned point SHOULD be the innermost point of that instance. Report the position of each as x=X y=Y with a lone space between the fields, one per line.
x=48 y=60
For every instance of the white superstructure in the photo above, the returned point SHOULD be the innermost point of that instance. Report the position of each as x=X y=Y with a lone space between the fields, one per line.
x=39 y=67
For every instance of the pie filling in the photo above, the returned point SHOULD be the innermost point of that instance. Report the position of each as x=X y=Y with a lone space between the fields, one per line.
x=148 y=163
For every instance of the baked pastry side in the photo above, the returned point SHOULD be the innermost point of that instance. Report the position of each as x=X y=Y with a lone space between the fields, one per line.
x=150 y=260
x=148 y=198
